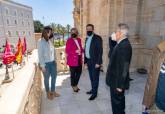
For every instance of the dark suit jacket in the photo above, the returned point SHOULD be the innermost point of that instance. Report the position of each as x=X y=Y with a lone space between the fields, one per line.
x=112 y=44
x=118 y=69
x=96 y=50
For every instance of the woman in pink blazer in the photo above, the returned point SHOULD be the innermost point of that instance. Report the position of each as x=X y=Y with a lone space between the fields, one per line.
x=74 y=53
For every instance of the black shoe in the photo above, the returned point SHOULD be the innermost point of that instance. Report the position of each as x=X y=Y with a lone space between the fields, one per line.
x=130 y=79
x=89 y=92
x=92 y=97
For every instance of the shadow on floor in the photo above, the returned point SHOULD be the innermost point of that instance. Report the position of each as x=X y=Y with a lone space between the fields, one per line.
x=77 y=103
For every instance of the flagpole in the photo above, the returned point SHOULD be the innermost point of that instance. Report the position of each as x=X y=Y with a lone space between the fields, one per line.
x=27 y=55
x=7 y=77
x=13 y=72
x=7 y=73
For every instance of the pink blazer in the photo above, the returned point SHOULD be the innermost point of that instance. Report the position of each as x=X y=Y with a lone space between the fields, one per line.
x=72 y=56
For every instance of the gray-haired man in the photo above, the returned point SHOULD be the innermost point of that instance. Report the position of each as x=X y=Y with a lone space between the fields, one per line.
x=118 y=70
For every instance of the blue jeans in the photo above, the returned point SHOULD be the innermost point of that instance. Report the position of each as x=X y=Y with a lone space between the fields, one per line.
x=51 y=71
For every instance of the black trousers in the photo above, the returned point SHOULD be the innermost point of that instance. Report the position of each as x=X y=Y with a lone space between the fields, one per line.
x=75 y=73
x=117 y=101
x=94 y=76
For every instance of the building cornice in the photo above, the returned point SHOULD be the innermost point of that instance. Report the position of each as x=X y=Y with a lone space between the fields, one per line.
x=10 y=2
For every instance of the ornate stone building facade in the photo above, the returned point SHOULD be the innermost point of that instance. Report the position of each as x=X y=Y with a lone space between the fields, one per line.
x=16 y=19
x=146 y=19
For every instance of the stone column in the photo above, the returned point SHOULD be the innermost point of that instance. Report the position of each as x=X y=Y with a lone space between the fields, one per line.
x=132 y=17
x=81 y=18
x=138 y=18
x=84 y=17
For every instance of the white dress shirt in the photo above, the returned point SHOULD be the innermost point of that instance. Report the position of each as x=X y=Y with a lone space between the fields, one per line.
x=75 y=40
x=78 y=46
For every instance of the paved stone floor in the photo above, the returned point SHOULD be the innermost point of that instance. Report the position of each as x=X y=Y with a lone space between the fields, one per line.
x=77 y=103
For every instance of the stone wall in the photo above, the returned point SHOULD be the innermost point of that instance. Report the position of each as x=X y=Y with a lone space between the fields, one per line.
x=145 y=18
x=105 y=15
x=153 y=22
x=33 y=104
x=98 y=16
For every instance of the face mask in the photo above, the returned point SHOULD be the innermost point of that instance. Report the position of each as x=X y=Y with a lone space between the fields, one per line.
x=113 y=36
x=47 y=39
x=89 y=33
x=73 y=35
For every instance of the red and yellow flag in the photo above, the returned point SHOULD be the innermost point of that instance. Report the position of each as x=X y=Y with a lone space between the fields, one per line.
x=18 y=54
x=8 y=56
x=24 y=46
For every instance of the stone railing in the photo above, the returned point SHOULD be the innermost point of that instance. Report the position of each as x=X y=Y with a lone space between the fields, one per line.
x=23 y=95
x=33 y=104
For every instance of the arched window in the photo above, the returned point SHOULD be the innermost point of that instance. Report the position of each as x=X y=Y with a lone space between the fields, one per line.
x=15 y=13
x=8 y=21
x=15 y=22
x=7 y=11
x=28 y=23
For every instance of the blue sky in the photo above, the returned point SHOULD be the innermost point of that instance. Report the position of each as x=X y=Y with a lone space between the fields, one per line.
x=57 y=11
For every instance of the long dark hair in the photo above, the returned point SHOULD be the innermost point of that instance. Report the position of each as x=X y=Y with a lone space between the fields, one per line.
x=46 y=31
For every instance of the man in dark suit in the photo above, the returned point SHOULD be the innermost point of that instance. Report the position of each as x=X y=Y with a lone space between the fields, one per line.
x=112 y=44
x=93 y=59
x=118 y=70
